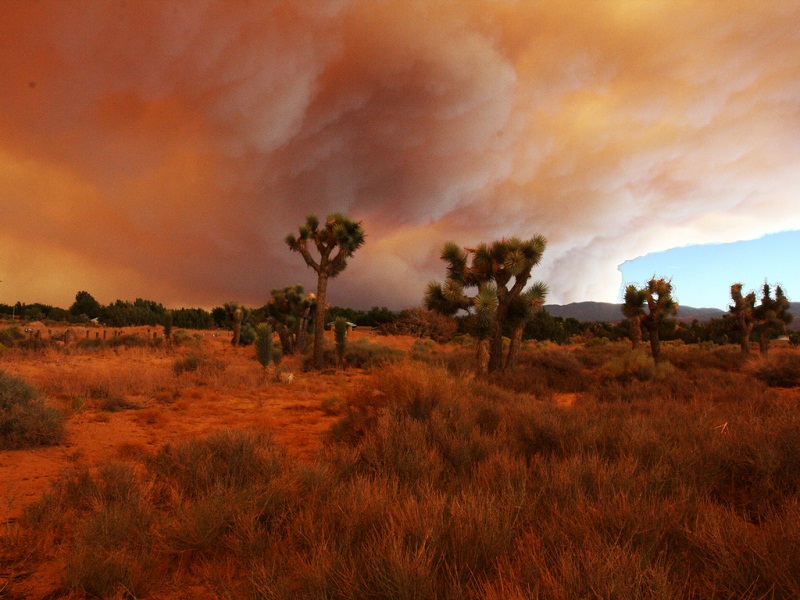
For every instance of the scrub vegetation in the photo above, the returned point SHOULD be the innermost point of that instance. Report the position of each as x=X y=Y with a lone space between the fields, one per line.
x=588 y=471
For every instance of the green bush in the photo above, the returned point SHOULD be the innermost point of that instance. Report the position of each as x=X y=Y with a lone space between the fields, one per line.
x=25 y=419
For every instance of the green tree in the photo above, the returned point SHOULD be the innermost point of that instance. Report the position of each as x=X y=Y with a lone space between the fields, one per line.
x=335 y=241
x=771 y=316
x=743 y=310
x=499 y=272
x=657 y=296
x=289 y=312
x=85 y=304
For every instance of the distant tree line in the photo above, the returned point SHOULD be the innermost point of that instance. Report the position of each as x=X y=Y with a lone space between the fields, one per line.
x=542 y=326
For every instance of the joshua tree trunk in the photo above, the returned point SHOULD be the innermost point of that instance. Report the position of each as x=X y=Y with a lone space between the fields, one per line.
x=636 y=332
x=237 y=326
x=319 y=321
x=300 y=334
x=745 y=329
x=496 y=344
x=655 y=346
x=513 y=348
x=482 y=359
x=763 y=344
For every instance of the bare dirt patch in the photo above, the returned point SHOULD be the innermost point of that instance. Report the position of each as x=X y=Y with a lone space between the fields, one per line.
x=127 y=401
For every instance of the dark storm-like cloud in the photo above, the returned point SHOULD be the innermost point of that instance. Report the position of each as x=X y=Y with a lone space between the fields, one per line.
x=165 y=150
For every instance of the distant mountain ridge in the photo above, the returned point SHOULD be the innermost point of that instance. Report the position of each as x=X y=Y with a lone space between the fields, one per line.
x=612 y=313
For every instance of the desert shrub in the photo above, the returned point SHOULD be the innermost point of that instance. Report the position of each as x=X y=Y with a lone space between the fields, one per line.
x=181 y=337
x=422 y=323
x=114 y=403
x=445 y=487
x=10 y=335
x=629 y=366
x=697 y=357
x=544 y=371
x=361 y=354
x=25 y=419
x=197 y=363
x=133 y=340
x=227 y=459
x=779 y=370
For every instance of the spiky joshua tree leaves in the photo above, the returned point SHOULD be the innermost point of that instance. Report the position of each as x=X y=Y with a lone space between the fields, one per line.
x=290 y=311
x=335 y=241
x=771 y=316
x=633 y=309
x=499 y=273
x=657 y=297
x=743 y=310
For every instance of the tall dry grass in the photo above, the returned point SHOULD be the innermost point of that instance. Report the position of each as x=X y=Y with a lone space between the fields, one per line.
x=671 y=483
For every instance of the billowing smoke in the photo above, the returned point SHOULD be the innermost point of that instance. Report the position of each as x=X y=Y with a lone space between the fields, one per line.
x=164 y=150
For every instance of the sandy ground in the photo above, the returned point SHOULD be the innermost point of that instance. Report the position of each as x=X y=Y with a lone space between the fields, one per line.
x=174 y=408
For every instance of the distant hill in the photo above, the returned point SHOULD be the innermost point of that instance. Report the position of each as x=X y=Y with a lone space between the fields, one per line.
x=612 y=313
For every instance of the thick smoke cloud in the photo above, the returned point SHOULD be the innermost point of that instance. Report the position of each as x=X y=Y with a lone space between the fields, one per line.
x=164 y=150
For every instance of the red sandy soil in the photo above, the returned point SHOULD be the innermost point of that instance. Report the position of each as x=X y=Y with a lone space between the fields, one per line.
x=291 y=412
x=175 y=407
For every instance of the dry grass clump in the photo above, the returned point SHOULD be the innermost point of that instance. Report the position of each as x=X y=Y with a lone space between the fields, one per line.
x=25 y=419
x=435 y=486
x=92 y=379
x=779 y=370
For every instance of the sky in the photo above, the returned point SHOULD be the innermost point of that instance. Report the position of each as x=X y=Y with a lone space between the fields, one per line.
x=702 y=274
x=164 y=150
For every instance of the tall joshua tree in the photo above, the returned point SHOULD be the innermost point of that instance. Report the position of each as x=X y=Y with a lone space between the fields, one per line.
x=657 y=296
x=743 y=310
x=335 y=241
x=500 y=271
x=771 y=316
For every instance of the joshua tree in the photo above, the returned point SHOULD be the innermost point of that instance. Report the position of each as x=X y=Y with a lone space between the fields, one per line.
x=289 y=311
x=234 y=314
x=520 y=311
x=771 y=316
x=657 y=295
x=340 y=332
x=743 y=310
x=336 y=241
x=633 y=309
x=500 y=271
x=265 y=351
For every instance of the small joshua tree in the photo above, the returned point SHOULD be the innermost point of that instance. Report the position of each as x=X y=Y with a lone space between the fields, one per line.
x=234 y=315
x=633 y=309
x=289 y=311
x=657 y=296
x=743 y=310
x=266 y=352
x=335 y=241
x=771 y=316
x=340 y=327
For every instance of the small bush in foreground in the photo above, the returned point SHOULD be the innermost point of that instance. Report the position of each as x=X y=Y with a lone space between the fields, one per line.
x=780 y=370
x=25 y=420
